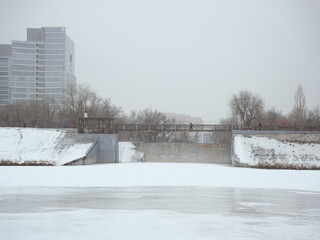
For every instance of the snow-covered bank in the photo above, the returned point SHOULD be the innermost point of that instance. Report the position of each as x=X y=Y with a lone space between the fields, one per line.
x=158 y=174
x=35 y=146
x=264 y=151
x=128 y=153
x=40 y=146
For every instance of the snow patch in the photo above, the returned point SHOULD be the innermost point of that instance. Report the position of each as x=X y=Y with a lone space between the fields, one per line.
x=128 y=153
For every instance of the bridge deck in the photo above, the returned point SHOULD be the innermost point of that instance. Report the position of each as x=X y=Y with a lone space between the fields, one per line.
x=101 y=125
x=171 y=127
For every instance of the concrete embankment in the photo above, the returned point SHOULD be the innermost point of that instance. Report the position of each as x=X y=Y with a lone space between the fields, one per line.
x=104 y=150
x=32 y=146
x=277 y=150
x=185 y=152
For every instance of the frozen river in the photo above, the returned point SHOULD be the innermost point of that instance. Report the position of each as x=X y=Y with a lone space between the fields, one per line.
x=158 y=213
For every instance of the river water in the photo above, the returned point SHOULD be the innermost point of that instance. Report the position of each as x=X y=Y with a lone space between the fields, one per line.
x=158 y=213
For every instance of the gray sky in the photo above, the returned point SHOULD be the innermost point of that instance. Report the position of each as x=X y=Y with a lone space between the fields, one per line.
x=184 y=56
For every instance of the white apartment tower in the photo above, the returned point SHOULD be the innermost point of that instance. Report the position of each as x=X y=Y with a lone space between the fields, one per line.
x=5 y=58
x=41 y=67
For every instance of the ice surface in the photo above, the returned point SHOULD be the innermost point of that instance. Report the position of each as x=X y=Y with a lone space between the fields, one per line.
x=157 y=213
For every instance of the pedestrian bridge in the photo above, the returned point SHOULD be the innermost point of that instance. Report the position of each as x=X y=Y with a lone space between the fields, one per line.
x=105 y=125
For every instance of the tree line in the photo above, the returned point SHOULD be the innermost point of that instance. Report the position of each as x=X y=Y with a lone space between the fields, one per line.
x=248 y=111
x=79 y=98
x=51 y=113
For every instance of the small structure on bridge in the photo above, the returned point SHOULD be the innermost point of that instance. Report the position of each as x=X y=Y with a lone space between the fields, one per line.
x=95 y=125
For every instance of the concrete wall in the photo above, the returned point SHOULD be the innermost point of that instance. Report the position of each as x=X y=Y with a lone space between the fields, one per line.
x=186 y=152
x=273 y=133
x=105 y=149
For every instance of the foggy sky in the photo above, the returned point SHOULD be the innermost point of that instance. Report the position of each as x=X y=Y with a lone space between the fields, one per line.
x=184 y=56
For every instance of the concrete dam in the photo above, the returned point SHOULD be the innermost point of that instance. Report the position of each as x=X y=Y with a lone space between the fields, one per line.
x=270 y=149
x=185 y=152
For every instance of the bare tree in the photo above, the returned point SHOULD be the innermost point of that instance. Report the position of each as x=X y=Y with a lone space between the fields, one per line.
x=49 y=109
x=228 y=121
x=82 y=98
x=299 y=111
x=35 y=117
x=314 y=118
x=88 y=100
x=132 y=118
x=45 y=112
x=16 y=114
x=149 y=116
x=104 y=108
x=5 y=114
x=33 y=113
x=71 y=109
x=247 y=107
x=271 y=117
x=78 y=99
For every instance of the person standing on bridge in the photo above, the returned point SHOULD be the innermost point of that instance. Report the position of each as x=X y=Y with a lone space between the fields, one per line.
x=190 y=127
x=84 y=121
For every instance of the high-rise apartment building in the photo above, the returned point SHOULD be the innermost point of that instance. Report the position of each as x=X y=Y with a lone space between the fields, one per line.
x=5 y=59
x=39 y=68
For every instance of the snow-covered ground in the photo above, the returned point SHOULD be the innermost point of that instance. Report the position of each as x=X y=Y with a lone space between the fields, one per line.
x=31 y=146
x=157 y=174
x=43 y=146
x=138 y=200
x=255 y=150
x=145 y=201
x=128 y=153
x=48 y=145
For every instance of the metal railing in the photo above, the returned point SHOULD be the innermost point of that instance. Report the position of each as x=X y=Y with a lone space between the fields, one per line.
x=104 y=126
x=171 y=127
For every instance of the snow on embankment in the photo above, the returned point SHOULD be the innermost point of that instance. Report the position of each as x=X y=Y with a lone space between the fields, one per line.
x=267 y=152
x=32 y=146
x=128 y=153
